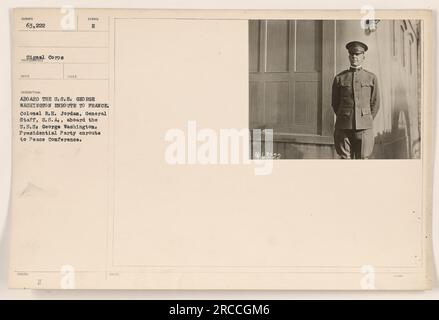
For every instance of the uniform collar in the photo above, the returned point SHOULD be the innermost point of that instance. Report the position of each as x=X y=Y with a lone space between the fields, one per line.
x=355 y=69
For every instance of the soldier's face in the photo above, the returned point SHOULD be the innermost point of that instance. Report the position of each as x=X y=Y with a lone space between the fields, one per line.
x=356 y=59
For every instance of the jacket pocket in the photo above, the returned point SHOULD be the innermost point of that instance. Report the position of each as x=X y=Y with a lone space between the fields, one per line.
x=345 y=112
x=366 y=88
x=345 y=83
x=367 y=84
x=346 y=88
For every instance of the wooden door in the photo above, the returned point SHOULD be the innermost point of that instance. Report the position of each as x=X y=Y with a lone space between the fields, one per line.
x=285 y=62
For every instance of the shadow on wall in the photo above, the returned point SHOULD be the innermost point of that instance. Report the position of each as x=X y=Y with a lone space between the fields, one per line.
x=396 y=143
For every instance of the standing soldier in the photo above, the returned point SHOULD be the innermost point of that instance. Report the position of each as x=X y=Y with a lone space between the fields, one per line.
x=355 y=100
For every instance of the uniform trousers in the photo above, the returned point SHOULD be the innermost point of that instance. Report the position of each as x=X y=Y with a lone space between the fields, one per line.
x=354 y=144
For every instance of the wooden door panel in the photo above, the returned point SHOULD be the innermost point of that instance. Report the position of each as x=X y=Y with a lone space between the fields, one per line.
x=277 y=34
x=277 y=97
x=308 y=46
x=285 y=75
x=306 y=104
x=254 y=36
x=257 y=110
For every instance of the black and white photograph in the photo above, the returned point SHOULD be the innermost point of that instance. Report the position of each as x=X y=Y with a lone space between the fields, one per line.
x=140 y=147
x=336 y=89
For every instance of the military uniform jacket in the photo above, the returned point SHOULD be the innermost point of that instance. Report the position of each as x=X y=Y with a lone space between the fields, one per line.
x=355 y=99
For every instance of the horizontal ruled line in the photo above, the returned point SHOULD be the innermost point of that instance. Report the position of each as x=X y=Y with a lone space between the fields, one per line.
x=69 y=47
x=60 y=79
x=40 y=62
x=30 y=30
